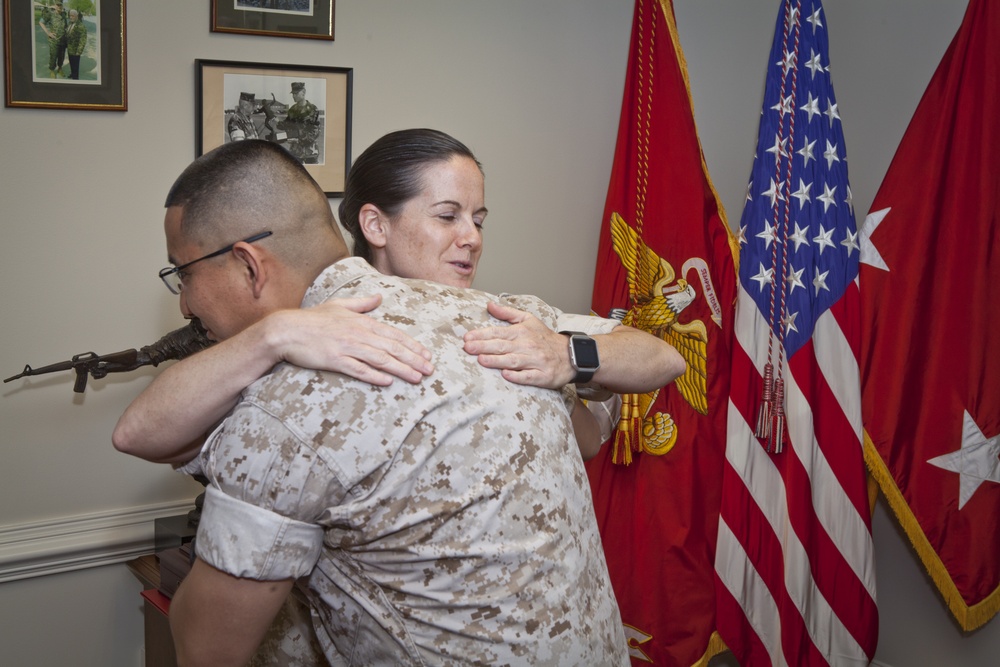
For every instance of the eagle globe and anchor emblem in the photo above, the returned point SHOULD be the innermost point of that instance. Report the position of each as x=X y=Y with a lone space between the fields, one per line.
x=657 y=297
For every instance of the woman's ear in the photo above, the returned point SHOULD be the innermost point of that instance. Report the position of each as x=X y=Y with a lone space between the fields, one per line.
x=254 y=267
x=373 y=225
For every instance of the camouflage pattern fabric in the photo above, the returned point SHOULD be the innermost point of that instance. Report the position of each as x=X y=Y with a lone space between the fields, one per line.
x=445 y=523
x=56 y=24
x=76 y=38
x=302 y=125
x=241 y=127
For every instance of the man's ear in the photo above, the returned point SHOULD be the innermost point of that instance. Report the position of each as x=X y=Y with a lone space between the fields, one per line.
x=373 y=225
x=254 y=267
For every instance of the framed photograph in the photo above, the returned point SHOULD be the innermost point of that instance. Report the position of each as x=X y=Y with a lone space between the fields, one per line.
x=311 y=19
x=65 y=55
x=305 y=109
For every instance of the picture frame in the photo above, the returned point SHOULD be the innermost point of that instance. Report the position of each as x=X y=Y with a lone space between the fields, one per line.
x=308 y=19
x=94 y=78
x=304 y=108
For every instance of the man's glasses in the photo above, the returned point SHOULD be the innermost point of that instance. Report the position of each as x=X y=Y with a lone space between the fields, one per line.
x=171 y=276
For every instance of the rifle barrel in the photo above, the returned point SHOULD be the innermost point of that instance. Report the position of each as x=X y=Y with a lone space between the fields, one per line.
x=26 y=371
x=52 y=368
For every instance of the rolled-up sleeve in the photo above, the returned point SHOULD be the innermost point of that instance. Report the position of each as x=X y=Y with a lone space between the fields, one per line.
x=244 y=540
x=588 y=324
x=556 y=319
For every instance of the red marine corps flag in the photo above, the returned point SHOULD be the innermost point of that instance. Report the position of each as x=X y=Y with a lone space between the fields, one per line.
x=930 y=372
x=666 y=265
x=794 y=557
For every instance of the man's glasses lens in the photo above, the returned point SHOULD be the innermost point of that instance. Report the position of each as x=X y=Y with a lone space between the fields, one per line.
x=172 y=281
x=171 y=276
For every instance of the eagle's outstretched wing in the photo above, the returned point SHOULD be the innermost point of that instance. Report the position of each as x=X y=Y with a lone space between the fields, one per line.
x=691 y=340
x=645 y=268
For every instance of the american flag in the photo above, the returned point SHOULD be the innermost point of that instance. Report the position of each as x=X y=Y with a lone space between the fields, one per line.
x=794 y=562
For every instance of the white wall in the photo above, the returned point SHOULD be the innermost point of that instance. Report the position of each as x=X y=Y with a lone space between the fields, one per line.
x=532 y=86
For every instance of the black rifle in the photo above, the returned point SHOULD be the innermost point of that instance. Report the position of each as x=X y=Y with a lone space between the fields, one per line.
x=177 y=344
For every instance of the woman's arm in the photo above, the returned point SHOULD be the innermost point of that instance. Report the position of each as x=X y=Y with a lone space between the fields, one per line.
x=528 y=352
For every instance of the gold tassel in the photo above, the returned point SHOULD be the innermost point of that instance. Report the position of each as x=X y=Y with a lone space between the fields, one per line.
x=622 y=452
x=629 y=433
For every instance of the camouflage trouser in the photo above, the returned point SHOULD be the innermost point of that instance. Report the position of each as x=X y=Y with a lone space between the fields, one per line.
x=57 y=54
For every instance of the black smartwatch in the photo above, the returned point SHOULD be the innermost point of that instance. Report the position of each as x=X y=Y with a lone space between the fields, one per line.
x=582 y=356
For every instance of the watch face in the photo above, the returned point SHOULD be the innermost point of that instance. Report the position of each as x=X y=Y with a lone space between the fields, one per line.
x=585 y=353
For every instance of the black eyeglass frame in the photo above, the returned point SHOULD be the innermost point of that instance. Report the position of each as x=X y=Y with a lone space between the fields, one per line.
x=169 y=271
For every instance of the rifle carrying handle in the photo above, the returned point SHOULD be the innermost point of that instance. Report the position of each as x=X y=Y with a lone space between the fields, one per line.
x=81 y=371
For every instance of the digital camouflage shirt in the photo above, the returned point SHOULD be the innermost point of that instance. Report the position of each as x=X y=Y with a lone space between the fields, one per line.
x=446 y=523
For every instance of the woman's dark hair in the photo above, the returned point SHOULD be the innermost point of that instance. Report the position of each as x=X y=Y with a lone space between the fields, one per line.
x=389 y=173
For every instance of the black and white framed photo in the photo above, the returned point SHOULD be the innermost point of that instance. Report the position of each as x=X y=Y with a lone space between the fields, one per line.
x=310 y=19
x=65 y=54
x=305 y=109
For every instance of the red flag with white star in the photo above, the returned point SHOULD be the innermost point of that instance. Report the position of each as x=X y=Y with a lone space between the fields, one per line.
x=930 y=369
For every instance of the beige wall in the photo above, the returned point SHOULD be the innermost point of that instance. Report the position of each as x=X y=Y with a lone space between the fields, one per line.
x=534 y=88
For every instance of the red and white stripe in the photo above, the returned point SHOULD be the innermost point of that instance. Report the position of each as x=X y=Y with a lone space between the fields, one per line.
x=794 y=562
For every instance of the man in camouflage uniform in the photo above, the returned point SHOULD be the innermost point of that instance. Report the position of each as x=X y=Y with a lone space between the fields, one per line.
x=54 y=24
x=445 y=522
x=302 y=124
x=241 y=125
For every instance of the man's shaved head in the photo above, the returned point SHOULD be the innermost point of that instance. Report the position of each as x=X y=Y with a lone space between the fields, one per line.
x=246 y=187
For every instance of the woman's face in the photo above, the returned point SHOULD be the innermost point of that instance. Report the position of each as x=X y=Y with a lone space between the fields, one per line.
x=438 y=234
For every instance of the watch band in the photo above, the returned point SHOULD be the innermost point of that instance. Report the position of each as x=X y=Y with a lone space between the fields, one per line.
x=583 y=356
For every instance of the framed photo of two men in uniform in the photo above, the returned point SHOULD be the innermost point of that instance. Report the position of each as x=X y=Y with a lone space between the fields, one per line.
x=305 y=109
x=311 y=19
x=65 y=54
